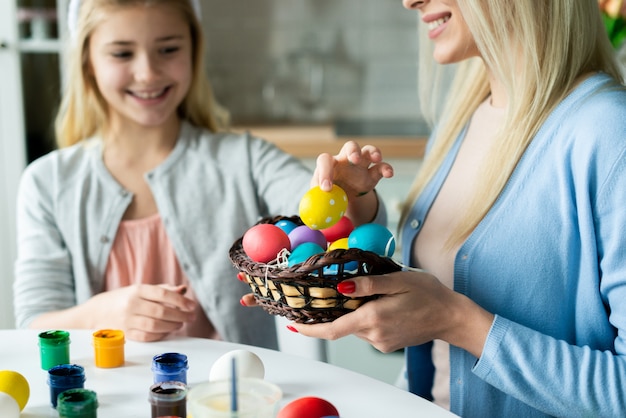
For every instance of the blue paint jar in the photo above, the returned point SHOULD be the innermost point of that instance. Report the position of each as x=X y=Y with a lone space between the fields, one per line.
x=170 y=367
x=64 y=377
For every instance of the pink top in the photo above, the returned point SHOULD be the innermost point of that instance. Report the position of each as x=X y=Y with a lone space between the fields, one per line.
x=142 y=253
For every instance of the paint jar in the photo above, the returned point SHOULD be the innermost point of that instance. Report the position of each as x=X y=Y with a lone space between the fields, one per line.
x=108 y=345
x=54 y=348
x=168 y=399
x=170 y=367
x=64 y=377
x=78 y=403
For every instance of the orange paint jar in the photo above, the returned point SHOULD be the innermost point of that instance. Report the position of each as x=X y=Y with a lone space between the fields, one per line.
x=108 y=346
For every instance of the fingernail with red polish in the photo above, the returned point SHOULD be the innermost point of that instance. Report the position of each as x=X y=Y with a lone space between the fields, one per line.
x=242 y=302
x=241 y=277
x=346 y=287
x=292 y=329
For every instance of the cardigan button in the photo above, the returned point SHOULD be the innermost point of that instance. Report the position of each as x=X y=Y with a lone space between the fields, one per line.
x=104 y=239
x=415 y=224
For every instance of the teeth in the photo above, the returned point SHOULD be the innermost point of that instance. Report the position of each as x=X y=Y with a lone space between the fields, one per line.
x=435 y=24
x=149 y=95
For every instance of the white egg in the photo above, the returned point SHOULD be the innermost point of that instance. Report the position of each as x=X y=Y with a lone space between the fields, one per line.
x=8 y=406
x=247 y=363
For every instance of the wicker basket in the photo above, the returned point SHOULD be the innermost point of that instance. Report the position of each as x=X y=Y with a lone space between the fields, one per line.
x=307 y=292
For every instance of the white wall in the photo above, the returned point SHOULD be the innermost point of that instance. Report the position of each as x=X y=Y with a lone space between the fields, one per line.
x=12 y=154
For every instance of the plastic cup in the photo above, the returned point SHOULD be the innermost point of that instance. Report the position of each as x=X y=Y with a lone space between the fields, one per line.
x=54 y=348
x=256 y=398
x=170 y=367
x=64 y=377
x=108 y=347
x=168 y=399
x=77 y=403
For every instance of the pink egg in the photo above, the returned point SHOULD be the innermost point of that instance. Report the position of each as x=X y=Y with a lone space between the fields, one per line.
x=303 y=233
x=339 y=230
x=263 y=242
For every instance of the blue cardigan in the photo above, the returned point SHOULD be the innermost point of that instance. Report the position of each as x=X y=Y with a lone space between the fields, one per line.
x=549 y=260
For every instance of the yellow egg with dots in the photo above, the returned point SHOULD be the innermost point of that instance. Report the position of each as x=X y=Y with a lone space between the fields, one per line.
x=319 y=209
x=16 y=386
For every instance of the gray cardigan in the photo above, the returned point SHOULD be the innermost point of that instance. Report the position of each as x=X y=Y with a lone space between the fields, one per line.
x=209 y=191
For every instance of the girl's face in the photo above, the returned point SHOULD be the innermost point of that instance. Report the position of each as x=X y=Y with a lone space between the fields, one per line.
x=141 y=59
x=446 y=28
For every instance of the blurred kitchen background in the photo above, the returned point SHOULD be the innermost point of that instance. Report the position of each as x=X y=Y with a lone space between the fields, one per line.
x=305 y=74
x=312 y=60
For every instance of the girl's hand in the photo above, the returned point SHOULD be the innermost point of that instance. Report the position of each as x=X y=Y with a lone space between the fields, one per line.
x=357 y=171
x=414 y=308
x=145 y=312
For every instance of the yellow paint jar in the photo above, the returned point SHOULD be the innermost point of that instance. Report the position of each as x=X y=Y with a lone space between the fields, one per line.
x=108 y=347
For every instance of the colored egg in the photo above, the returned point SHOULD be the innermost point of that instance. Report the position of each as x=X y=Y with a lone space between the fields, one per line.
x=308 y=407
x=247 y=364
x=373 y=237
x=263 y=242
x=303 y=234
x=339 y=230
x=303 y=251
x=16 y=386
x=286 y=225
x=340 y=243
x=8 y=406
x=320 y=210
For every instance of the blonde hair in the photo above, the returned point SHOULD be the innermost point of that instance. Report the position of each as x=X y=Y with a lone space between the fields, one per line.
x=83 y=111
x=549 y=45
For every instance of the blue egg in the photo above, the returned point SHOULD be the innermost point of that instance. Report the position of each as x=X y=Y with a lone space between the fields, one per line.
x=286 y=225
x=351 y=267
x=302 y=252
x=373 y=237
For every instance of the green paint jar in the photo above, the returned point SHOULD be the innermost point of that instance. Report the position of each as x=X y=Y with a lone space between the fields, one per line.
x=77 y=403
x=54 y=348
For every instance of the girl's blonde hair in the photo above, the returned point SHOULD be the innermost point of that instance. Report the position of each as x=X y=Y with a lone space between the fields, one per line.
x=538 y=49
x=83 y=110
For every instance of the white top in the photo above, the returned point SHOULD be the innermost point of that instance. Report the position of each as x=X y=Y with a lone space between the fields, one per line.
x=123 y=391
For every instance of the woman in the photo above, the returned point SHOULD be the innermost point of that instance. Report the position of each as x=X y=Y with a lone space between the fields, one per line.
x=516 y=219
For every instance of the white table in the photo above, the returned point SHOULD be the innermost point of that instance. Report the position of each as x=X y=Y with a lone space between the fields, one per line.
x=123 y=391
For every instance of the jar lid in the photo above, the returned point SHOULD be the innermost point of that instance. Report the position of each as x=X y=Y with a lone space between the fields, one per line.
x=54 y=337
x=108 y=337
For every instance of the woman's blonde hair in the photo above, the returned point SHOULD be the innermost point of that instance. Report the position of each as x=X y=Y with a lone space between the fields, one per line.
x=538 y=49
x=83 y=110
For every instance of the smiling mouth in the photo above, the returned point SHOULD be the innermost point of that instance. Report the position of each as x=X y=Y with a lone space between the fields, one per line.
x=436 y=23
x=148 y=95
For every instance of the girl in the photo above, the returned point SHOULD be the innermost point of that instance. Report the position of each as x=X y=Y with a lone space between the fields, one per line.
x=517 y=220
x=129 y=224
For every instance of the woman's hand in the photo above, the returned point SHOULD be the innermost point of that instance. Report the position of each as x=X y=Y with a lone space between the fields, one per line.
x=357 y=171
x=414 y=308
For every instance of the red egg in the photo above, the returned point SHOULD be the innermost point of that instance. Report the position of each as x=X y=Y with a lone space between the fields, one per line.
x=308 y=407
x=339 y=230
x=263 y=242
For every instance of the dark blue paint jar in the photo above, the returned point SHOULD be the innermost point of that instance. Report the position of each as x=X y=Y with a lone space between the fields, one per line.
x=64 y=377
x=170 y=367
